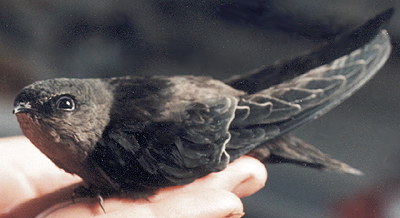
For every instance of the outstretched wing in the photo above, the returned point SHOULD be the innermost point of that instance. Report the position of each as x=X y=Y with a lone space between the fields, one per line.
x=283 y=107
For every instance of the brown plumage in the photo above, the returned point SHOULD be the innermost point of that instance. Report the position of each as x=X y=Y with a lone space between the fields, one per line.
x=138 y=134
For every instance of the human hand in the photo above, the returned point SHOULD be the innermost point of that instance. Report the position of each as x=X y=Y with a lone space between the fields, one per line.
x=32 y=184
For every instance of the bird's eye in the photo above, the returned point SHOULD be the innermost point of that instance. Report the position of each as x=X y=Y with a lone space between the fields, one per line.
x=65 y=103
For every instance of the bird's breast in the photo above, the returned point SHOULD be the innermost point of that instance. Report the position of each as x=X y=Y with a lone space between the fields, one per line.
x=49 y=143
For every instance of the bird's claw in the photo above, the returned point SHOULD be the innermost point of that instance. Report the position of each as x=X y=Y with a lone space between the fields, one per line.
x=83 y=191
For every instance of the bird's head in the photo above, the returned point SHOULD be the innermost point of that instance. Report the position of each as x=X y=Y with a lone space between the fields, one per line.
x=68 y=112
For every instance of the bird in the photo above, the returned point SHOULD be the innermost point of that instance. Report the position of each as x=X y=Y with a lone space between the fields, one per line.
x=137 y=134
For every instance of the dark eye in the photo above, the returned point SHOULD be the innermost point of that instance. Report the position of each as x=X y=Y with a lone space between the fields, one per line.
x=65 y=103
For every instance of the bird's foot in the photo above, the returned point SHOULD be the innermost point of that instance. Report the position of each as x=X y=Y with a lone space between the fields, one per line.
x=83 y=191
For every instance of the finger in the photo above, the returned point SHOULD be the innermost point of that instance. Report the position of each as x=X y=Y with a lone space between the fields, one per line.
x=201 y=203
x=244 y=177
x=33 y=207
x=27 y=172
x=256 y=176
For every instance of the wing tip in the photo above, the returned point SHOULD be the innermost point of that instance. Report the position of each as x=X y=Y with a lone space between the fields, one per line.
x=353 y=171
x=340 y=167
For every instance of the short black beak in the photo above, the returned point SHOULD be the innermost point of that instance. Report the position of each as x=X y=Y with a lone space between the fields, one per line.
x=23 y=107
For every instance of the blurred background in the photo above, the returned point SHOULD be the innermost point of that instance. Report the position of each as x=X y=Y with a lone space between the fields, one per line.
x=47 y=39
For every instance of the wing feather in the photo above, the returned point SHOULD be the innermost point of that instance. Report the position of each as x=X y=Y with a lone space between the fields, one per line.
x=312 y=94
x=170 y=153
x=306 y=97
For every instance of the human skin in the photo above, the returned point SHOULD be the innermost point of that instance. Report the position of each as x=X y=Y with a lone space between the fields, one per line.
x=31 y=184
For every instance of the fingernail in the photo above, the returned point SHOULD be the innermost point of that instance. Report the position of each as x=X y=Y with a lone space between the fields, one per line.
x=235 y=215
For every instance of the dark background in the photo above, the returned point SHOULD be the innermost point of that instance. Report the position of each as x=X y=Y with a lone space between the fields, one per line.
x=47 y=39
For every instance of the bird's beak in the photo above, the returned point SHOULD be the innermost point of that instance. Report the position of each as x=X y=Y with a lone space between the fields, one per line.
x=23 y=107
